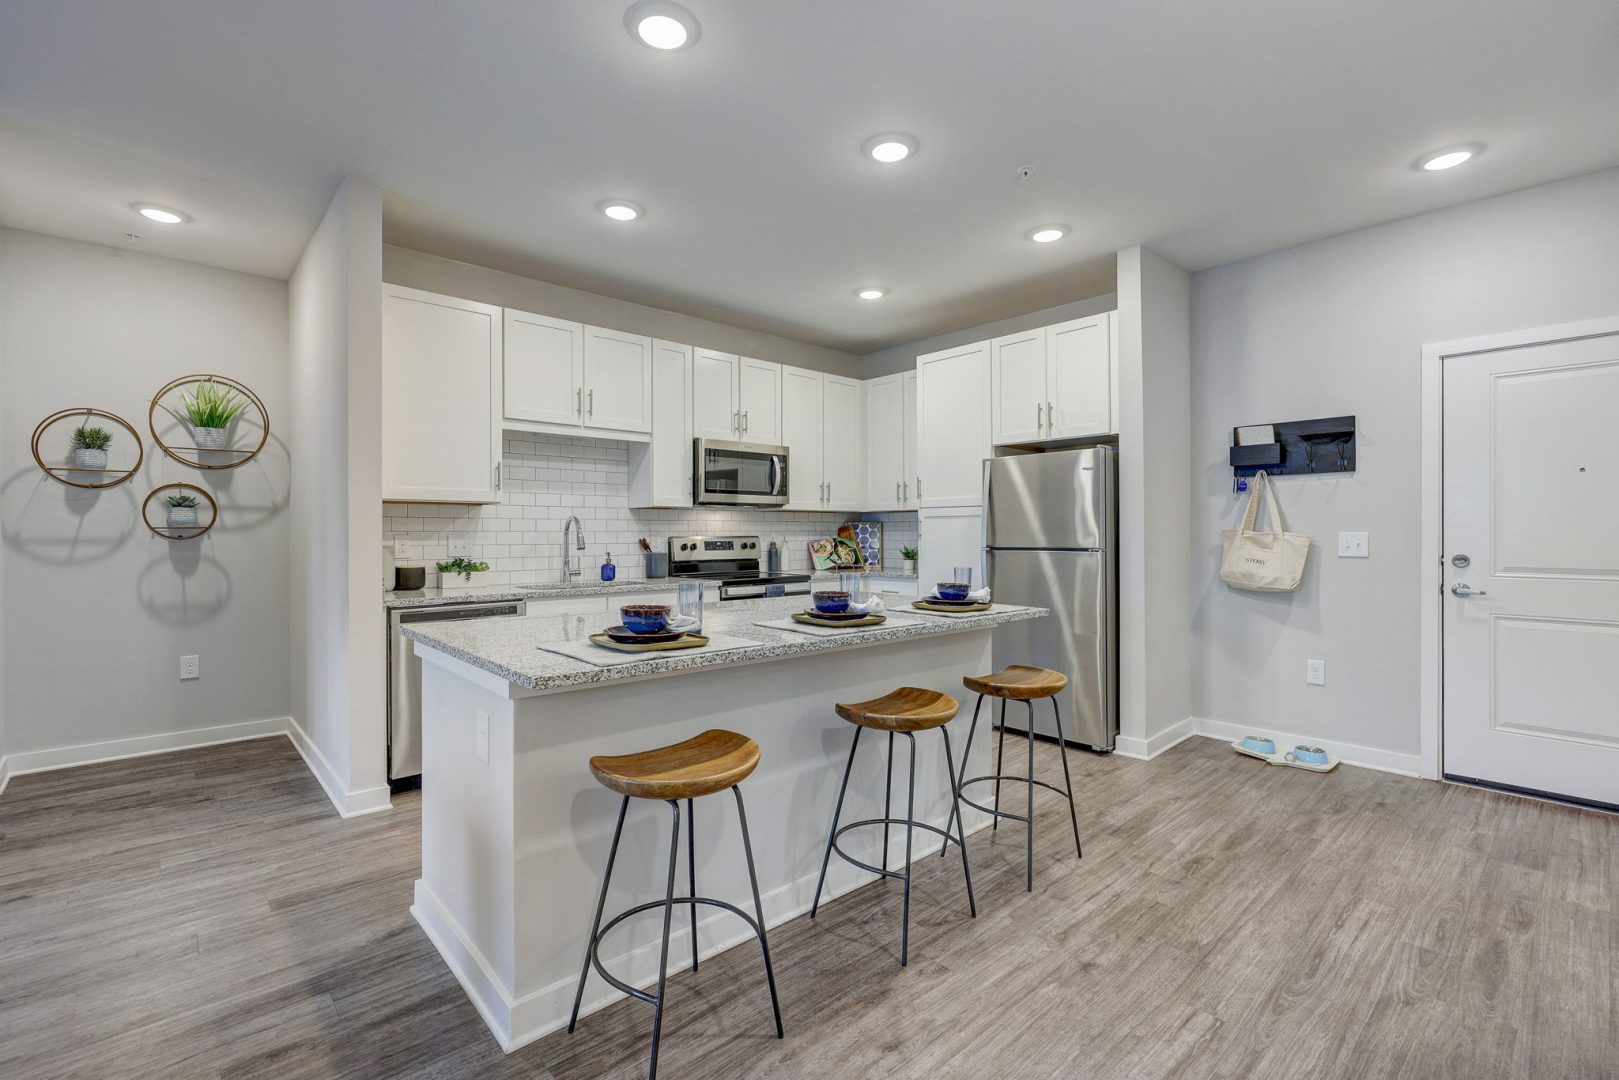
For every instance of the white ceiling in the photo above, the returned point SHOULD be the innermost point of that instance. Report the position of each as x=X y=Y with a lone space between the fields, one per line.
x=1208 y=131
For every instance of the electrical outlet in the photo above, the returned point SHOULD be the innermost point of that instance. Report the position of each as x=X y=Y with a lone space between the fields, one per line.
x=1354 y=545
x=1315 y=672
x=190 y=667
x=404 y=550
x=483 y=735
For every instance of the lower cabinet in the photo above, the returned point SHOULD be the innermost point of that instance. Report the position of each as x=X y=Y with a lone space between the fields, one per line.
x=950 y=536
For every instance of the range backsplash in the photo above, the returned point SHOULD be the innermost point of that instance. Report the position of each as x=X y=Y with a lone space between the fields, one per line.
x=548 y=477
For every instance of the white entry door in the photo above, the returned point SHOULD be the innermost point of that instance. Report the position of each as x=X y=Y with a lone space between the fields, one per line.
x=1531 y=568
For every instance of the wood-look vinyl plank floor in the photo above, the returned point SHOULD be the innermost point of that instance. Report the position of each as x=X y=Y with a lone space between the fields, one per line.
x=204 y=914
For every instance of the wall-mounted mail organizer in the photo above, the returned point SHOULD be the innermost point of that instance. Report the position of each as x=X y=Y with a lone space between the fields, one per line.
x=1293 y=448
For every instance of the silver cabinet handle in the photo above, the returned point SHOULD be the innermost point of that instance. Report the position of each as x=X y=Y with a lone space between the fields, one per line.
x=896 y=492
x=1464 y=590
x=918 y=487
x=1051 y=417
x=829 y=491
x=736 y=421
x=744 y=421
x=497 y=476
x=578 y=399
x=906 y=497
x=590 y=398
x=1039 y=417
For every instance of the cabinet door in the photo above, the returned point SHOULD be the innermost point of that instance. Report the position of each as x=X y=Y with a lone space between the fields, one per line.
x=440 y=398
x=886 y=467
x=660 y=472
x=801 y=434
x=910 y=482
x=760 y=401
x=714 y=408
x=544 y=370
x=947 y=538
x=1080 y=375
x=618 y=381
x=952 y=425
x=1018 y=396
x=842 y=440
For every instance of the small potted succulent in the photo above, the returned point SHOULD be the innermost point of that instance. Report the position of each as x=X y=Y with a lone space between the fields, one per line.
x=182 y=512
x=907 y=560
x=459 y=574
x=210 y=411
x=90 y=448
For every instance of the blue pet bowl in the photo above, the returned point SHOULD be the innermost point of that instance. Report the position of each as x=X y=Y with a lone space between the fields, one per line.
x=1259 y=744
x=953 y=590
x=645 y=618
x=1310 y=755
x=832 y=603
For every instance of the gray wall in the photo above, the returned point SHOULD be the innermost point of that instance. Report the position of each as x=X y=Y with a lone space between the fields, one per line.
x=1335 y=327
x=903 y=357
x=97 y=609
x=418 y=270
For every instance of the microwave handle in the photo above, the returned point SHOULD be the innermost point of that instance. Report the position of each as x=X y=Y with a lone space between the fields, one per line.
x=777 y=474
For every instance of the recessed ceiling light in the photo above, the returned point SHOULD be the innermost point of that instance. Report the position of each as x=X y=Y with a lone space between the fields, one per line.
x=662 y=25
x=889 y=148
x=160 y=214
x=620 y=209
x=871 y=292
x=1046 y=234
x=1450 y=157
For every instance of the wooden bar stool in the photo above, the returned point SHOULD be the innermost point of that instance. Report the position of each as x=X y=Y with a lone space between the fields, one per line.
x=1026 y=684
x=712 y=762
x=903 y=712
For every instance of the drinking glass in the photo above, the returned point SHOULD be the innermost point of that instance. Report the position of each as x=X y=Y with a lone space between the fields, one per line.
x=689 y=601
x=964 y=574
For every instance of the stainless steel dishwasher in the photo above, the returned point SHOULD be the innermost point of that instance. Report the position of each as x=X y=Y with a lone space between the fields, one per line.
x=405 y=679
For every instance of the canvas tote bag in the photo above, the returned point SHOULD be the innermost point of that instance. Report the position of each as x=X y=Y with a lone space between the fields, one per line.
x=1263 y=561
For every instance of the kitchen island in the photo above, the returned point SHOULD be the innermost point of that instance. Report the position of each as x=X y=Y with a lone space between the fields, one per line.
x=515 y=830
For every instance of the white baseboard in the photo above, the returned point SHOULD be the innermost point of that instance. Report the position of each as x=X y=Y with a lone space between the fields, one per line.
x=1365 y=757
x=1150 y=747
x=67 y=757
x=348 y=803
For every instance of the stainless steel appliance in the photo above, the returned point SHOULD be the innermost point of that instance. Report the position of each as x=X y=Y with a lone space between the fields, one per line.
x=1051 y=539
x=732 y=562
x=405 y=679
x=738 y=474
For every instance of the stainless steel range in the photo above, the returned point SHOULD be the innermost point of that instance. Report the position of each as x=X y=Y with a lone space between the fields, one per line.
x=733 y=563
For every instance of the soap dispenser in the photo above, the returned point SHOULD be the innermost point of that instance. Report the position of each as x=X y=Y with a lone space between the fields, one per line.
x=609 y=571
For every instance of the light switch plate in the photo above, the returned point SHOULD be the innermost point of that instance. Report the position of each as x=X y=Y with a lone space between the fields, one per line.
x=1354 y=545
x=458 y=545
x=1315 y=672
x=190 y=667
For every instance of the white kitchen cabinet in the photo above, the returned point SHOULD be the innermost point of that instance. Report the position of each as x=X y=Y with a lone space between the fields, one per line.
x=952 y=425
x=571 y=379
x=890 y=449
x=1055 y=382
x=441 y=364
x=759 y=398
x=842 y=443
x=715 y=406
x=822 y=428
x=910 y=480
x=949 y=537
x=660 y=471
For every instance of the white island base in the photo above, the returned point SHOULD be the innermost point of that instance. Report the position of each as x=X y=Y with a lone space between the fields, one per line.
x=515 y=832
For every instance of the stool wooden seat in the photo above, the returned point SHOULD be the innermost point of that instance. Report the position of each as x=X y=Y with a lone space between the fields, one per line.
x=1019 y=682
x=905 y=709
x=710 y=762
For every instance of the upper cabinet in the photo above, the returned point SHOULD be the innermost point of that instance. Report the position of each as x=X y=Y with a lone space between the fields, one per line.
x=660 y=471
x=759 y=398
x=1055 y=382
x=952 y=425
x=891 y=442
x=843 y=436
x=736 y=398
x=441 y=392
x=823 y=429
x=568 y=378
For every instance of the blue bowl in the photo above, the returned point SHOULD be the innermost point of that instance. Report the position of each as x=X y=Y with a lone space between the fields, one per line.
x=1310 y=755
x=832 y=603
x=953 y=590
x=645 y=618
x=1259 y=744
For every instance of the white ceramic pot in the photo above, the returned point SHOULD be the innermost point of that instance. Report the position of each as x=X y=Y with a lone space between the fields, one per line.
x=210 y=438
x=463 y=582
x=907 y=566
x=182 y=517
x=85 y=458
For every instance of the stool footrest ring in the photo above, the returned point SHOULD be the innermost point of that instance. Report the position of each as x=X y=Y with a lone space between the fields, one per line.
x=1013 y=779
x=885 y=821
x=595 y=942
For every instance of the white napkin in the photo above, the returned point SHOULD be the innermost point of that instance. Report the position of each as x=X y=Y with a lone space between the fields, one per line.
x=979 y=596
x=874 y=606
x=682 y=622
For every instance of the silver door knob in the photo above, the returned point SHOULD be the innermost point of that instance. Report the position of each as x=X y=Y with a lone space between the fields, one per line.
x=1464 y=590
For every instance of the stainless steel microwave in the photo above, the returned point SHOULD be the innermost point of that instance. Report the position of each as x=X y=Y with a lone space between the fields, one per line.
x=728 y=473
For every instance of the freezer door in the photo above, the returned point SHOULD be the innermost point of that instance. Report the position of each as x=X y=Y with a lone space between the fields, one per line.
x=1058 y=500
x=1077 y=639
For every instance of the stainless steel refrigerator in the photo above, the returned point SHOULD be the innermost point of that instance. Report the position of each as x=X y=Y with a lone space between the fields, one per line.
x=1051 y=534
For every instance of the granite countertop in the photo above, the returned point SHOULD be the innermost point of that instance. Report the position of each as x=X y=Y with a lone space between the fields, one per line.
x=507 y=647
x=546 y=590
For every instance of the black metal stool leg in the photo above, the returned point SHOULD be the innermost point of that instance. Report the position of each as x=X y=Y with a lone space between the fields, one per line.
x=910 y=816
x=960 y=822
x=663 y=955
x=691 y=867
x=1000 y=758
x=836 y=813
x=758 y=909
x=596 y=923
x=888 y=796
x=1028 y=854
x=956 y=779
x=1062 y=747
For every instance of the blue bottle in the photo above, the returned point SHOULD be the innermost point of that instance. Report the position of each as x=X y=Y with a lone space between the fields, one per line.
x=609 y=571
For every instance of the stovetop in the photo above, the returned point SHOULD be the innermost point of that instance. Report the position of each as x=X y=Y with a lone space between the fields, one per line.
x=744 y=577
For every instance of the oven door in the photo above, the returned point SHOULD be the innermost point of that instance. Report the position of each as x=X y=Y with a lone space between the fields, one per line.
x=738 y=474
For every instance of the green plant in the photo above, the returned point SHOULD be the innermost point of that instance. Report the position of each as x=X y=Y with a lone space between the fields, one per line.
x=91 y=438
x=465 y=567
x=908 y=553
x=181 y=500
x=212 y=406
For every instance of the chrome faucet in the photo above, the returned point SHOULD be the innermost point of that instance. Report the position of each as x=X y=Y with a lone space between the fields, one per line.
x=570 y=571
